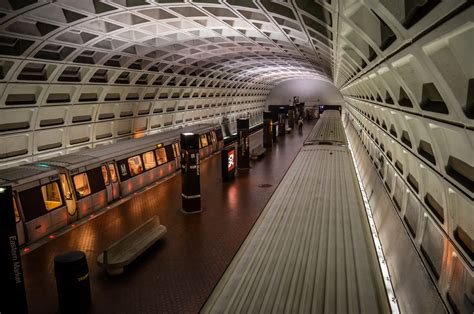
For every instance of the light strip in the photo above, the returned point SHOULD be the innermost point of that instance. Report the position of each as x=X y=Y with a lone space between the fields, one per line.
x=378 y=246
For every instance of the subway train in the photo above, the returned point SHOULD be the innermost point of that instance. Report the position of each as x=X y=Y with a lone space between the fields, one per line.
x=53 y=193
x=312 y=230
x=305 y=212
x=328 y=130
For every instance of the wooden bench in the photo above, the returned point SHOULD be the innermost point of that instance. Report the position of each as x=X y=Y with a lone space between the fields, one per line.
x=257 y=152
x=127 y=249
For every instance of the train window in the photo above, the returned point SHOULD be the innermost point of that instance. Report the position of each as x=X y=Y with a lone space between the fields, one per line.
x=51 y=196
x=213 y=137
x=32 y=203
x=135 y=165
x=96 y=180
x=65 y=185
x=161 y=155
x=81 y=184
x=113 y=173
x=204 y=142
x=149 y=160
x=169 y=152
x=219 y=135
x=105 y=175
x=15 y=209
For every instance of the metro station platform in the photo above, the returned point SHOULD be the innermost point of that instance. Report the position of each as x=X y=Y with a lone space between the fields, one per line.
x=179 y=272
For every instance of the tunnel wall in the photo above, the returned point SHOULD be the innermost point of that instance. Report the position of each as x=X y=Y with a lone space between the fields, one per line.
x=66 y=118
x=413 y=287
x=411 y=94
x=428 y=273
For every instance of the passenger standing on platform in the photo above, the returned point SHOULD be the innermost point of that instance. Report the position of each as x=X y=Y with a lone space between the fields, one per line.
x=300 y=125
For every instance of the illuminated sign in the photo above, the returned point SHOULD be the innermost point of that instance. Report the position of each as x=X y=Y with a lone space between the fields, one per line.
x=231 y=160
x=228 y=163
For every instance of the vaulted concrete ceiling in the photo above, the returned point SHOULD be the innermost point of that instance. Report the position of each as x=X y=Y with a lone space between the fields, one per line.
x=78 y=74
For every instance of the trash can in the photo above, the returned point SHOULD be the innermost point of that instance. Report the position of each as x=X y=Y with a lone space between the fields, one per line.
x=72 y=282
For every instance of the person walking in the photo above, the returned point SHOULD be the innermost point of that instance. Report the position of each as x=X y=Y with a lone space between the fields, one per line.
x=300 y=125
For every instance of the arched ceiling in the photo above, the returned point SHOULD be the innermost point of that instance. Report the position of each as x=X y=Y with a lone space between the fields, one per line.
x=82 y=73
x=175 y=36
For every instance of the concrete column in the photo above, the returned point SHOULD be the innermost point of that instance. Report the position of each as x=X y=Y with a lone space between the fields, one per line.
x=190 y=173
x=243 y=145
x=281 y=121
x=267 y=129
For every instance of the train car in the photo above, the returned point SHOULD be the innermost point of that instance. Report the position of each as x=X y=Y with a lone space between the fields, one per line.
x=53 y=193
x=311 y=249
x=211 y=142
x=39 y=200
x=328 y=130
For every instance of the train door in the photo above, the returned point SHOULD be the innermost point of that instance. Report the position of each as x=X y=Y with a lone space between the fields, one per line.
x=111 y=181
x=43 y=207
x=68 y=197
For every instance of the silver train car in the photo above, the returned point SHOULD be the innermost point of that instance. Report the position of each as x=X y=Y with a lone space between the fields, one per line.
x=53 y=193
x=293 y=259
x=328 y=130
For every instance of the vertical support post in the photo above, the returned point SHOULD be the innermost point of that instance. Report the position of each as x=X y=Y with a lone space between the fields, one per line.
x=243 y=146
x=281 y=121
x=267 y=129
x=190 y=173
x=274 y=125
x=291 y=117
x=12 y=283
x=226 y=126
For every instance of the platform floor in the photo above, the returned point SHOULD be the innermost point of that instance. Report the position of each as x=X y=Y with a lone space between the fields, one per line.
x=180 y=271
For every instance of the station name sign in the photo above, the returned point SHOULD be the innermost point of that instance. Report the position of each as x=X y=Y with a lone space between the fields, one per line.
x=12 y=285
